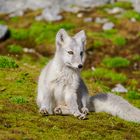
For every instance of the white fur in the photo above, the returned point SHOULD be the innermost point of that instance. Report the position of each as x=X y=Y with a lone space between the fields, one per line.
x=62 y=91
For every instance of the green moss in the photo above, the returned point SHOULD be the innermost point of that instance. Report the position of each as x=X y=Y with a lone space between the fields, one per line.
x=119 y=40
x=112 y=35
x=98 y=43
x=19 y=100
x=116 y=62
x=41 y=31
x=132 y=94
x=2 y=22
x=125 y=5
x=15 y=19
x=7 y=62
x=19 y=34
x=20 y=118
x=105 y=74
x=15 y=48
x=132 y=14
x=136 y=57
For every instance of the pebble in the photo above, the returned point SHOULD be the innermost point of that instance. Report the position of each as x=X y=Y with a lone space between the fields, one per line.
x=108 y=26
x=119 y=88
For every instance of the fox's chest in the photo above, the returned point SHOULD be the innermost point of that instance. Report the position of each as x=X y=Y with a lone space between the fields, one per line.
x=66 y=78
x=64 y=82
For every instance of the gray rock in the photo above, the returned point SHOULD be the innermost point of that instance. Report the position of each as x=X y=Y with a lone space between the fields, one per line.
x=119 y=88
x=3 y=31
x=101 y=20
x=17 y=13
x=50 y=12
x=108 y=26
x=136 y=5
x=115 y=10
x=89 y=19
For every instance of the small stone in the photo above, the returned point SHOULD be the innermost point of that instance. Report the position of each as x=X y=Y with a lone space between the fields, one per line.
x=80 y=15
x=115 y=10
x=119 y=88
x=108 y=26
x=101 y=20
x=93 y=68
x=133 y=19
x=17 y=13
x=26 y=50
x=38 y=18
x=89 y=19
x=50 y=14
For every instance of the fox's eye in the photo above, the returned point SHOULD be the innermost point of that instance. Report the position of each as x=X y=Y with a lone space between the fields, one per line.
x=81 y=53
x=70 y=52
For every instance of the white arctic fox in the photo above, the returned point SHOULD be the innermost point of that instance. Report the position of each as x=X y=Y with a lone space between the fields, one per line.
x=62 y=91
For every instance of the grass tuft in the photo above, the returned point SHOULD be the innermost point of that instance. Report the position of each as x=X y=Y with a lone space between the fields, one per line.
x=132 y=94
x=116 y=62
x=7 y=62
x=131 y=14
x=15 y=48
x=41 y=31
x=105 y=74
x=19 y=100
x=19 y=34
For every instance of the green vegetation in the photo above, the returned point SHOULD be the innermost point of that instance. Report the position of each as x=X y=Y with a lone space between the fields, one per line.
x=119 y=40
x=125 y=5
x=105 y=74
x=136 y=57
x=7 y=62
x=116 y=62
x=98 y=43
x=19 y=100
x=19 y=34
x=133 y=94
x=15 y=19
x=15 y=48
x=2 y=22
x=40 y=31
x=111 y=35
x=131 y=14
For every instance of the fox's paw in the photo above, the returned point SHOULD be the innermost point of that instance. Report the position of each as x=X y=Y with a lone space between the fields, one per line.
x=58 y=111
x=80 y=116
x=85 y=110
x=43 y=111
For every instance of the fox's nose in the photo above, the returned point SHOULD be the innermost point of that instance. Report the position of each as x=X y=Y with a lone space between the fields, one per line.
x=80 y=66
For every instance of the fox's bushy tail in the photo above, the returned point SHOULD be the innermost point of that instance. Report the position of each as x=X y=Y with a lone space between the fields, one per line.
x=114 y=105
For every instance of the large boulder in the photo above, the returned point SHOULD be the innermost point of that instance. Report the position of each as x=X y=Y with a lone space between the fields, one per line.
x=17 y=7
x=136 y=5
x=3 y=32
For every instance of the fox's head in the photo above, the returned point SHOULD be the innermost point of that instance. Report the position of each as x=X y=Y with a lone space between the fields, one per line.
x=71 y=49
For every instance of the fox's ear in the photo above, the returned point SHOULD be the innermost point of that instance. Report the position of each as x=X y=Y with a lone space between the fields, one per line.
x=81 y=36
x=61 y=36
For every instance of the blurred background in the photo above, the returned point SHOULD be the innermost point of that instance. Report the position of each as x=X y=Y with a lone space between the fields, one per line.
x=27 y=43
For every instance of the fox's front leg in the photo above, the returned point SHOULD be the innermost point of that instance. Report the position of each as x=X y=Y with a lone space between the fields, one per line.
x=44 y=100
x=71 y=102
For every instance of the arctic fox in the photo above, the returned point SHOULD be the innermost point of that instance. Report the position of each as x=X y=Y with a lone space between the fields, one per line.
x=61 y=90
